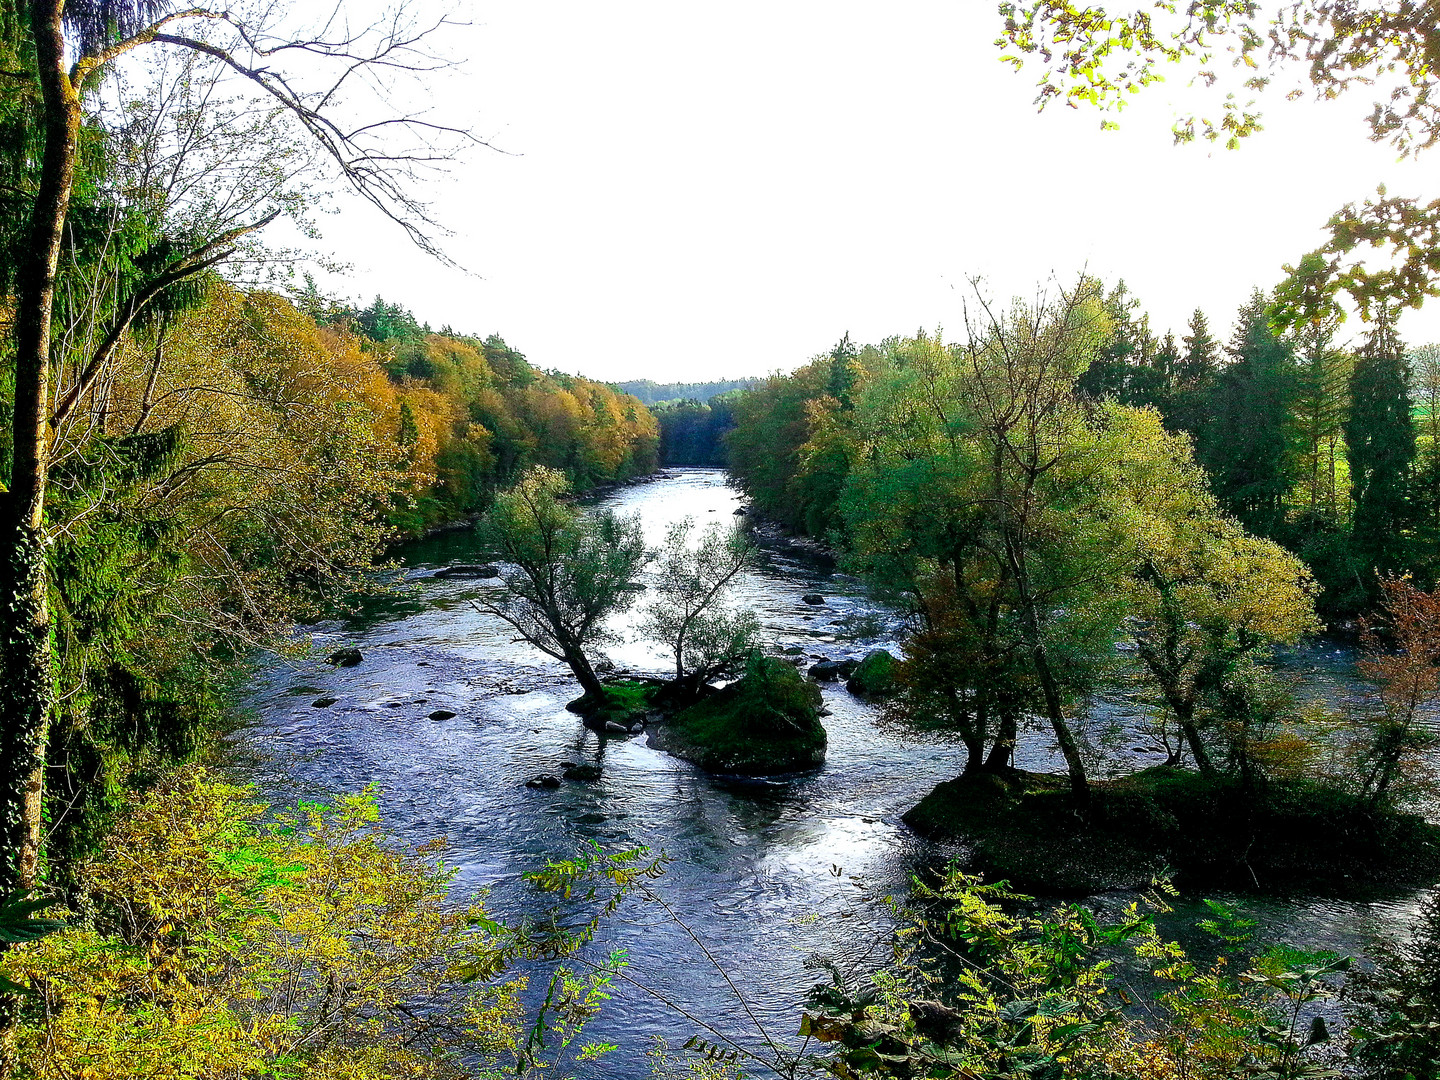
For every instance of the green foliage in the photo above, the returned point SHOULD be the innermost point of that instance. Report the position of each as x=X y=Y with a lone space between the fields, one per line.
x=572 y=571
x=1249 y=449
x=977 y=991
x=689 y=615
x=1380 y=441
x=765 y=722
x=694 y=432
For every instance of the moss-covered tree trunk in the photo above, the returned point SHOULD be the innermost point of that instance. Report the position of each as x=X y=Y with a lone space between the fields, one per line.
x=27 y=686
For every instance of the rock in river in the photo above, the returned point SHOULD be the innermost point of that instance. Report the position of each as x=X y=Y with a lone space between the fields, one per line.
x=832 y=670
x=441 y=714
x=468 y=570
x=323 y=702
x=545 y=781
x=583 y=772
x=874 y=677
x=344 y=658
x=612 y=728
x=812 y=598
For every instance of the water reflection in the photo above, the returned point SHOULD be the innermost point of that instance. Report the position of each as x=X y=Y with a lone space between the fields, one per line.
x=750 y=860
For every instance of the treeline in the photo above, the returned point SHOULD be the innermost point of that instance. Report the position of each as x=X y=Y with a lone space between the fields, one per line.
x=242 y=465
x=483 y=414
x=653 y=393
x=1331 y=450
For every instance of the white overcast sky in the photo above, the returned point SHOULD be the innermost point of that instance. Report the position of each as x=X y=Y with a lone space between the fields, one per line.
x=695 y=191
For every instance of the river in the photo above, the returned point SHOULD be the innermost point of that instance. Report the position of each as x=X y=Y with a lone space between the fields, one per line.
x=753 y=862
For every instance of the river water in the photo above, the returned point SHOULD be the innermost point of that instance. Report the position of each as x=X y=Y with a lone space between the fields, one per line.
x=765 y=873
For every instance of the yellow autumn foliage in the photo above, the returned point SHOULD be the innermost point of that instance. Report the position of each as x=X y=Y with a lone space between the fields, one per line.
x=227 y=944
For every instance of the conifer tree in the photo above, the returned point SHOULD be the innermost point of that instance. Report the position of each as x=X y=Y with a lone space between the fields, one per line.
x=1249 y=456
x=1380 y=442
x=1322 y=403
x=1193 y=401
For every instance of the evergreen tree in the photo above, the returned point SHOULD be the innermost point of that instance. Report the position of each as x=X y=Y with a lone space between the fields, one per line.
x=1380 y=441
x=1322 y=403
x=1192 y=404
x=1248 y=445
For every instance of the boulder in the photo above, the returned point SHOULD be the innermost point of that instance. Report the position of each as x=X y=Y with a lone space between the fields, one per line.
x=323 y=702
x=543 y=781
x=832 y=670
x=612 y=728
x=344 y=658
x=441 y=714
x=812 y=598
x=874 y=677
x=583 y=772
x=793 y=650
x=468 y=570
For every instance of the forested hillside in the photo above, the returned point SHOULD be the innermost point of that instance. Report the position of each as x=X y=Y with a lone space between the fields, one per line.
x=1331 y=450
x=239 y=465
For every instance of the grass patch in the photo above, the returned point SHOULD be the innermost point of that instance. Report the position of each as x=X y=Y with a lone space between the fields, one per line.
x=624 y=701
x=765 y=723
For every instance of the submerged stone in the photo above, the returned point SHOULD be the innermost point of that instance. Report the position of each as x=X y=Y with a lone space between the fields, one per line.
x=344 y=658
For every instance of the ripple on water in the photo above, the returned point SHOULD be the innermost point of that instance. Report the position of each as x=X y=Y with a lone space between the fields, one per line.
x=750 y=860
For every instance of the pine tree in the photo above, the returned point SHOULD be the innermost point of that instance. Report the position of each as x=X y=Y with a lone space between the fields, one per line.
x=1321 y=405
x=1247 y=448
x=1192 y=404
x=1380 y=440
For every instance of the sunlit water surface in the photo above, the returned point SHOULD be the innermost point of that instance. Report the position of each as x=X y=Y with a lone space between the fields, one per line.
x=766 y=873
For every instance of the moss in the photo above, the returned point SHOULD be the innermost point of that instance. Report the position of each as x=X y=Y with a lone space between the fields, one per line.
x=765 y=723
x=1024 y=827
x=624 y=702
x=874 y=678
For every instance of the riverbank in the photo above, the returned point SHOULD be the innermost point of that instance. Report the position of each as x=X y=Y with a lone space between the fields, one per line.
x=1205 y=833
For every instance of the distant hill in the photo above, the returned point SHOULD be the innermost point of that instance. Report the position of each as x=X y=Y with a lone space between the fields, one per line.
x=653 y=393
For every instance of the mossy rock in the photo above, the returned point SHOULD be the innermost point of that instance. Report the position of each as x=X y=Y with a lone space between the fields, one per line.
x=764 y=724
x=874 y=677
x=623 y=702
x=1209 y=832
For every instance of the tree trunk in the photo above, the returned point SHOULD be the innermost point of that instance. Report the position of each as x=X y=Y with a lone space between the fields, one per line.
x=1002 y=753
x=27 y=688
x=1074 y=763
x=1185 y=714
x=585 y=675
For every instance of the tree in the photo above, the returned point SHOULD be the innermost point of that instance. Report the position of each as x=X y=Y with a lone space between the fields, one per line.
x=1193 y=403
x=1249 y=455
x=572 y=571
x=1404 y=665
x=69 y=48
x=1322 y=403
x=1380 y=442
x=1092 y=55
x=1206 y=598
x=689 y=615
x=1425 y=492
